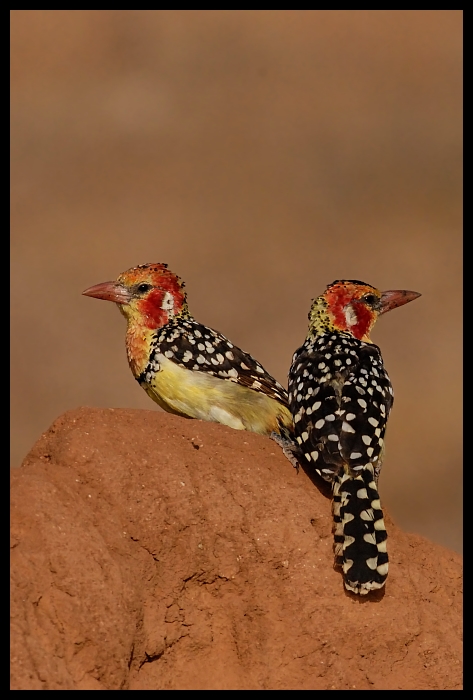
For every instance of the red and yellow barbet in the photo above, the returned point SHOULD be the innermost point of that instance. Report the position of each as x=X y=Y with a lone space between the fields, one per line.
x=187 y=368
x=340 y=397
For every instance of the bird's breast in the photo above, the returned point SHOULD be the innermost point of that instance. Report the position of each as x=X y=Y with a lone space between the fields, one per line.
x=138 y=348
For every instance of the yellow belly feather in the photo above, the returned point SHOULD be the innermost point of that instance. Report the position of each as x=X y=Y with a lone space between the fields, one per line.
x=203 y=396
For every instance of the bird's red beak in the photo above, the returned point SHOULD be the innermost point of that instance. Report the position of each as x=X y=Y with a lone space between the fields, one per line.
x=394 y=298
x=110 y=291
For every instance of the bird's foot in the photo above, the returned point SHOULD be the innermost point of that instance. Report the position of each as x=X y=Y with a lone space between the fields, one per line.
x=288 y=447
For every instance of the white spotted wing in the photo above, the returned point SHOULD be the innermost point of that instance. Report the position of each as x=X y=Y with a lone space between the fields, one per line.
x=340 y=397
x=201 y=349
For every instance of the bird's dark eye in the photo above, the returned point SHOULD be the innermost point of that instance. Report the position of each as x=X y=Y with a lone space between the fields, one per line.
x=142 y=288
x=369 y=299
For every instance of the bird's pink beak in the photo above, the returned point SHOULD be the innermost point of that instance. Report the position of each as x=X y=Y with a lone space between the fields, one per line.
x=110 y=291
x=394 y=298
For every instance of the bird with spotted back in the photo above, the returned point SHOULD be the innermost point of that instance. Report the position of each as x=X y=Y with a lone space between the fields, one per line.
x=187 y=368
x=340 y=396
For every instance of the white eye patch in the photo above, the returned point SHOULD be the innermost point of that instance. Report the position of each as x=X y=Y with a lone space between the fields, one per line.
x=168 y=303
x=350 y=315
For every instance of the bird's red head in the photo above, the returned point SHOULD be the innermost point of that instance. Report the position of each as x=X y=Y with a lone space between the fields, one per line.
x=353 y=307
x=148 y=295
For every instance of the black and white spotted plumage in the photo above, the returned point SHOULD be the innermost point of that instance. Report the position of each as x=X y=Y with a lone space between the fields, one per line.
x=198 y=348
x=197 y=372
x=340 y=398
x=187 y=368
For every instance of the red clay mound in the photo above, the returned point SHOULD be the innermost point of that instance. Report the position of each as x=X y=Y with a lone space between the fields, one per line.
x=153 y=552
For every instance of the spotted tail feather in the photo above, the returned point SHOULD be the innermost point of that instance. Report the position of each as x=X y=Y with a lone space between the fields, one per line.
x=359 y=532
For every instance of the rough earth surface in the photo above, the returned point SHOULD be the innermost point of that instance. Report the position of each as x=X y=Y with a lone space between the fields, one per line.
x=154 y=552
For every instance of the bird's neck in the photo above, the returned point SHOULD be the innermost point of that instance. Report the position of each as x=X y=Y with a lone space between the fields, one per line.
x=140 y=334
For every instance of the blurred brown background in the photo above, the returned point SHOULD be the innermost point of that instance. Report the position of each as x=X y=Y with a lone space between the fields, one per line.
x=262 y=154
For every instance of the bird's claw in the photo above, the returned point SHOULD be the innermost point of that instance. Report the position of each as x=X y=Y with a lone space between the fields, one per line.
x=288 y=447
